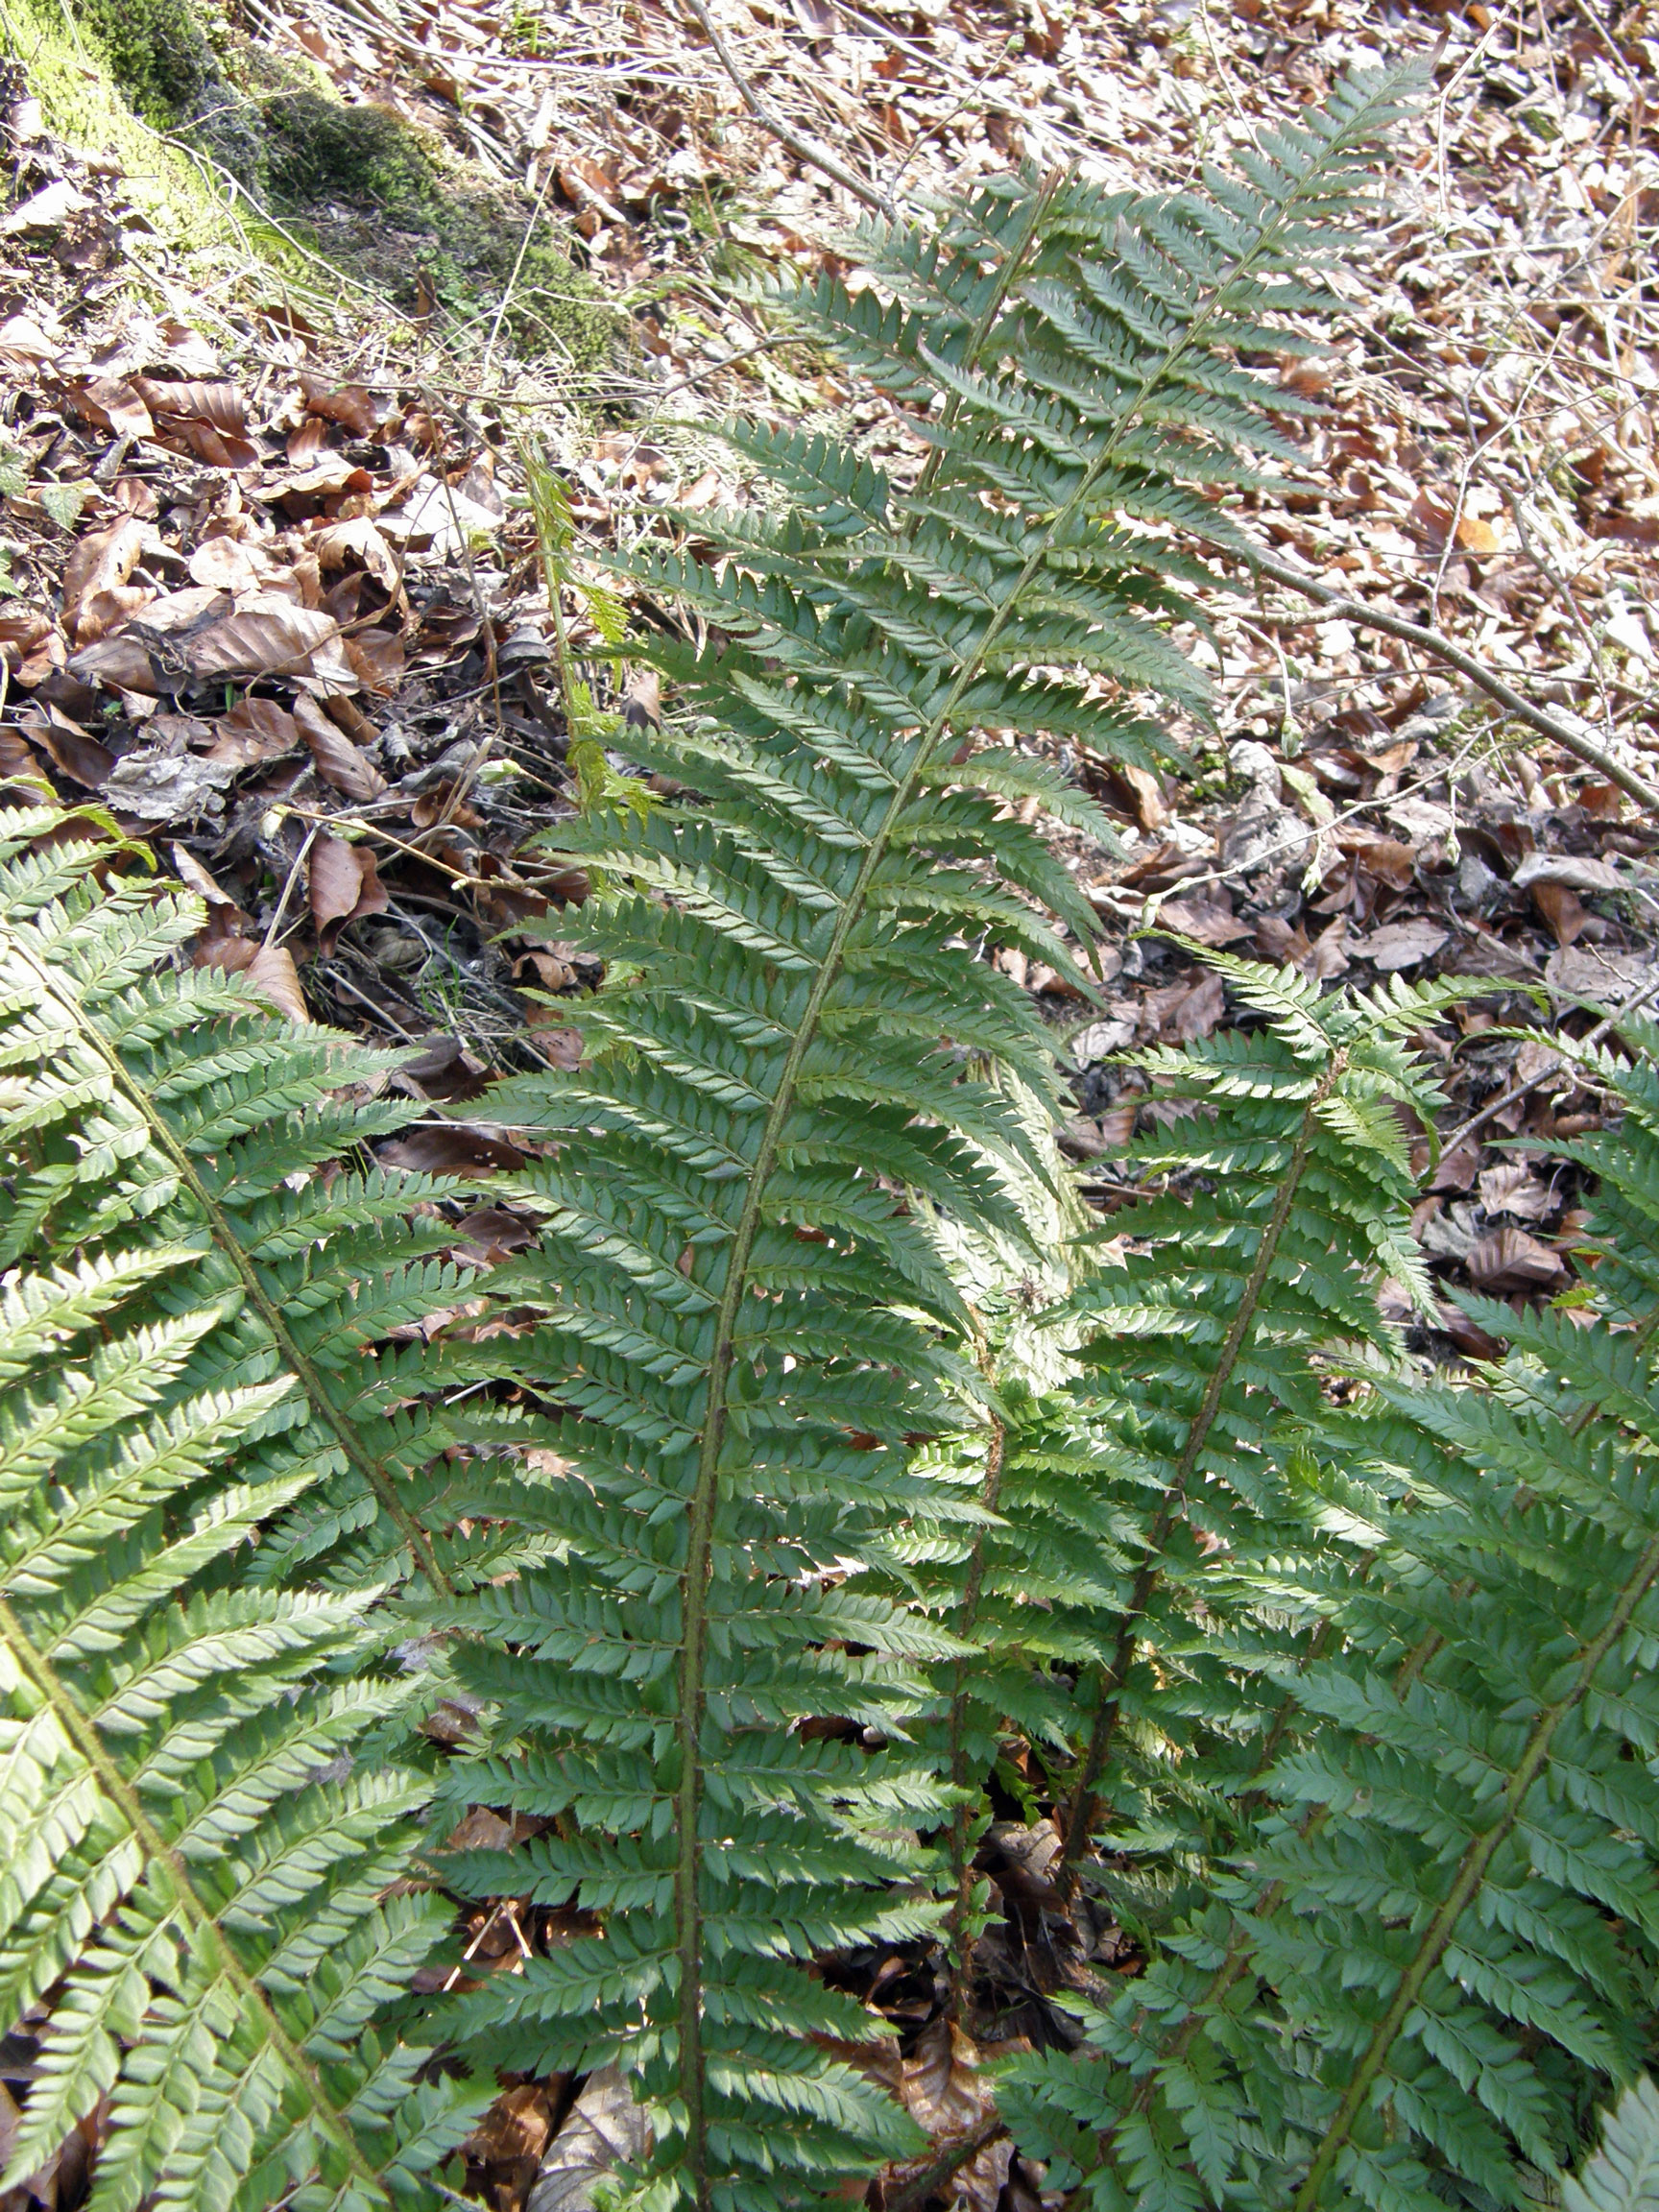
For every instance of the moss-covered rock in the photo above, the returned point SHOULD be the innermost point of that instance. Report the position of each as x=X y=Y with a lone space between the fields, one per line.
x=392 y=203
x=379 y=198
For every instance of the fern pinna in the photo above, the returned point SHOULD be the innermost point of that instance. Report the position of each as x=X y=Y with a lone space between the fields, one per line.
x=194 y=1911
x=1436 y=1939
x=743 y=1324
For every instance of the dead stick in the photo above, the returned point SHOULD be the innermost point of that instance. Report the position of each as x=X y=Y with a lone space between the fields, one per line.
x=805 y=148
x=1444 y=649
x=954 y=2155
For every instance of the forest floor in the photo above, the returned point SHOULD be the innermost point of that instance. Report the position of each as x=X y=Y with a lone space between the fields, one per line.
x=274 y=598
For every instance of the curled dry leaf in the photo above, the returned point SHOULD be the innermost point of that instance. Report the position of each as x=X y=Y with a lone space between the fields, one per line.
x=220 y=404
x=99 y=562
x=344 y=887
x=79 y=758
x=338 y=760
x=332 y=544
x=377 y=657
x=254 y=730
x=270 y=968
x=351 y=405
x=1511 y=1188
x=109 y=404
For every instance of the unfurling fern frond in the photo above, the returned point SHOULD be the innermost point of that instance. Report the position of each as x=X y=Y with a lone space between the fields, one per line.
x=196 y=1917
x=740 y=1311
x=1438 y=1938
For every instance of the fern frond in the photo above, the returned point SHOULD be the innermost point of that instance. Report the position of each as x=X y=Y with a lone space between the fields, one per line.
x=800 y=1046
x=170 y=1833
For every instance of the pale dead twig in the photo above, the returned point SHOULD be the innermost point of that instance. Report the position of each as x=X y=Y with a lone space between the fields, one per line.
x=812 y=150
x=1485 y=679
x=1604 y=1028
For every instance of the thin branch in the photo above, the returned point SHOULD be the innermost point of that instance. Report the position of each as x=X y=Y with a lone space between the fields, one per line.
x=803 y=146
x=1443 y=648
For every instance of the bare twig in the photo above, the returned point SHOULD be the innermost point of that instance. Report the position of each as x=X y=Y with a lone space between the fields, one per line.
x=1604 y=1028
x=1443 y=648
x=954 y=2155
x=803 y=146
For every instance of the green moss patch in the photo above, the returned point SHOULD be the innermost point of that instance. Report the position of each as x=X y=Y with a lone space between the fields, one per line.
x=392 y=203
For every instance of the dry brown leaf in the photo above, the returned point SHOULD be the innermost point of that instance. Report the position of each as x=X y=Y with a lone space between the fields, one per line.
x=100 y=562
x=450 y=1148
x=185 y=399
x=351 y=405
x=1205 y=916
x=1509 y=1260
x=344 y=887
x=269 y=969
x=110 y=404
x=1401 y=944
x=275 y=639
x=253 y=730
x=1562 y=909
x=338 y=760
x=1512 y=1188
x=359 y=536
x=82 y=759
x=376 y=656
x=1476 y=536
x=942 y=2085
x=226 y=565
x=1457 y=1169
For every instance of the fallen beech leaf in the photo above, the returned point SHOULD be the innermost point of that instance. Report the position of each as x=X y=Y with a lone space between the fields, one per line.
x=221 y=404
x=1512 y=1188
x=1476 y=536
x=453 y=1149
x=195 y=878
x=1509 y=1260
x=345 y=885
x=1384 y=857
x=272 y=973
x=253 y=730
x=46 y=209
x=21 y=628
x=226 y=565
x=1562 y=909
x=377 y=657
x=272 y=639
x=1586 y=971
x=1207 y=918
x=82 y=759
x=606 y=2127
x=111 y=406
x=97 y=563
x=349 y=404
x=102 y=611
x=336 y=540
x=1457 y=1169
x=338 y=760
x=1576 y=871
x=1401 y=944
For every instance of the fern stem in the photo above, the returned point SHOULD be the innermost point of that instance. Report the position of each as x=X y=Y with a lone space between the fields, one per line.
x=1466 y=1886
x=959 y=1943
x=211 y=1938
x=1080 y=1817
x=231 y=1246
